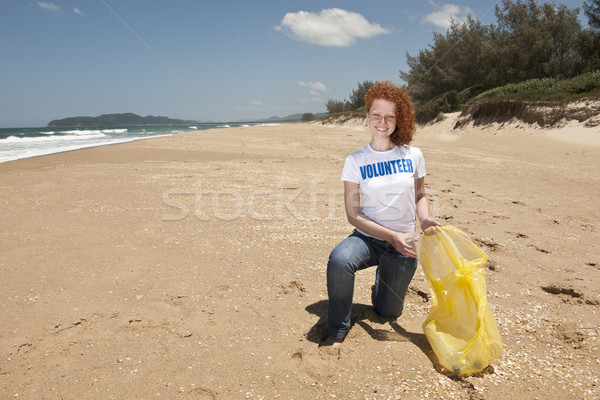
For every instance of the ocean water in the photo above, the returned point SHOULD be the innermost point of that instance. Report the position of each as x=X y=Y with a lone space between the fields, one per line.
x=19 y=143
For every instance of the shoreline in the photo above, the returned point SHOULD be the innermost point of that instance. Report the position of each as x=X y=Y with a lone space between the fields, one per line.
x=573 y=133
x=92 y=146
x=22 y=143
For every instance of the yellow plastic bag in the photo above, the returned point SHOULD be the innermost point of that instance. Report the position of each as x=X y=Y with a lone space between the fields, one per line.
x=460 y=327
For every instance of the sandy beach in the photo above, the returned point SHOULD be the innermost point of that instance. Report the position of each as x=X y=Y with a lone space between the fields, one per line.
x=193 y=267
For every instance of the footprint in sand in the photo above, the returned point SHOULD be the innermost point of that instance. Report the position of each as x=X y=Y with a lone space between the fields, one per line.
x=492 y=265
x=292 y=287
x=203 y=393
x=489 y=243
x=542 y=250
x=567 y=294
x=570 y=333
x=316 y=362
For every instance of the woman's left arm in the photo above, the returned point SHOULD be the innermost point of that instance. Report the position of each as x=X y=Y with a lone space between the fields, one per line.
x=423 y=212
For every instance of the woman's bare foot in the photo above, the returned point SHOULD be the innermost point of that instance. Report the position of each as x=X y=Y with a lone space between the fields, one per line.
x=332 y=342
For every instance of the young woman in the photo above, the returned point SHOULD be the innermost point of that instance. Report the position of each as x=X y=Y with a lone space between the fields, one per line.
x=384 y=190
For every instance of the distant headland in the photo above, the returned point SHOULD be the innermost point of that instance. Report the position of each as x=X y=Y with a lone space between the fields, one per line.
x=108 y=120
x=130 y=119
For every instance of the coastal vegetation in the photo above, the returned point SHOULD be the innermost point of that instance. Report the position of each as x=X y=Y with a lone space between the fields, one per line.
x=307 y=117
x=535 y=52
x=356 y=100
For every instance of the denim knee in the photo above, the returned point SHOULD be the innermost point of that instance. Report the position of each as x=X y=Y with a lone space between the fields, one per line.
x=394 y=275
x=348 y=257
x=340 y=274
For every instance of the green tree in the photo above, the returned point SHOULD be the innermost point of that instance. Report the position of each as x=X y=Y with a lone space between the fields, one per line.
x=307 y=117
x=537 y=41
x=589 y=40
x=528 y=41
x=458 y=59
x=357 y=97
x=334 y=106
x=449 y=102
x=592 y=11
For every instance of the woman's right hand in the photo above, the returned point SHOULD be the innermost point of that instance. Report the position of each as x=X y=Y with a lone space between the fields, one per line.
x=398 y=240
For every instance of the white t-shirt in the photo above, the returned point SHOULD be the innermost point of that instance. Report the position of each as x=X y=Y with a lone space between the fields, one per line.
x=387 y=184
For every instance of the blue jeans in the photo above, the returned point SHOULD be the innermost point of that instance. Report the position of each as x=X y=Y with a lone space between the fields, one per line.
x=357 y=252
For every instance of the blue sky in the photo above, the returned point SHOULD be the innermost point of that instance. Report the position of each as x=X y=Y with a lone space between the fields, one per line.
x=206 y=61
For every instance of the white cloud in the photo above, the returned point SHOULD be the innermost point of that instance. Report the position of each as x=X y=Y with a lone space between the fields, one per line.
x=48 y=6
x=444 y=16
x=77 y=11
x=256 y=103
x=315 y=86
x=332 y=27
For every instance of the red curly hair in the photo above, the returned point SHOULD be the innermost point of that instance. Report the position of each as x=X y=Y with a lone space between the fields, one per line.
x=405 y=113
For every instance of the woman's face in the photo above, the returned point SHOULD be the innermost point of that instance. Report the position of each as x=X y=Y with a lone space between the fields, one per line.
x=382 y=118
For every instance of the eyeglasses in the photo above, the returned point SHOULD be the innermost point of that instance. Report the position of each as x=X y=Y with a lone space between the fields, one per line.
x=378 y=118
